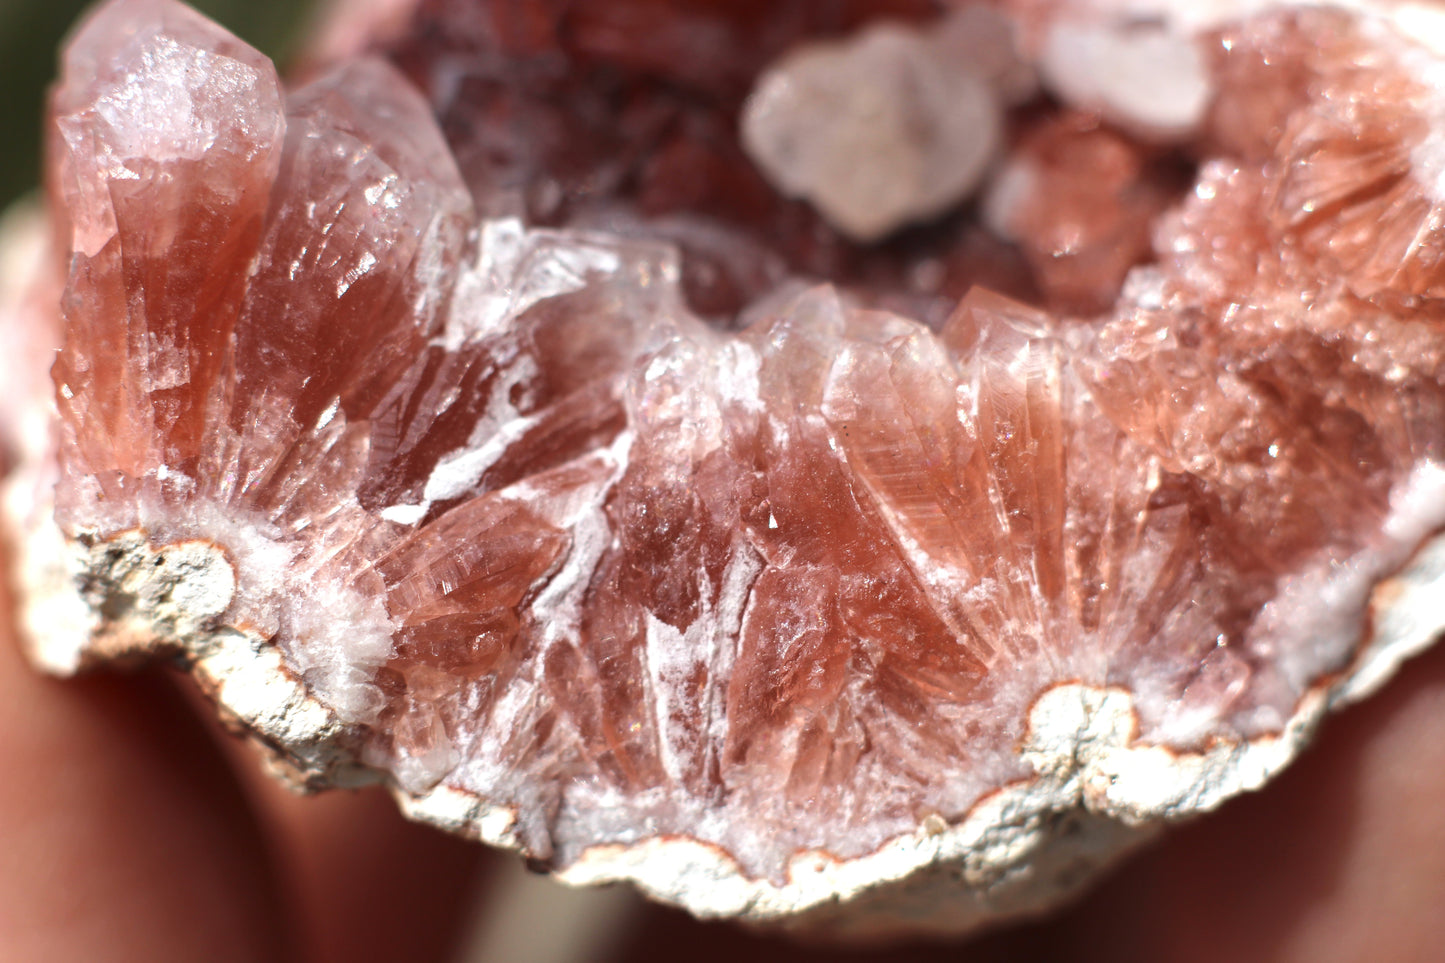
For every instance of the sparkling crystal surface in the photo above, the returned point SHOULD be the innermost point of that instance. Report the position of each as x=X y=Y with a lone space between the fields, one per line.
x=536 y=530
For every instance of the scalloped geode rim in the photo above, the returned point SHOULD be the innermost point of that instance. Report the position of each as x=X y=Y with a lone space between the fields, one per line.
x=1096 y=791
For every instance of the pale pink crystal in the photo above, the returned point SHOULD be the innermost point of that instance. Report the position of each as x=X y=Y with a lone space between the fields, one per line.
x=532 y=532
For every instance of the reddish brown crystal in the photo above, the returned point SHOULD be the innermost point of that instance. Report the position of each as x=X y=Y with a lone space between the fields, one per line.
x=164 y=196
x=1081 y=199
x=536 y=532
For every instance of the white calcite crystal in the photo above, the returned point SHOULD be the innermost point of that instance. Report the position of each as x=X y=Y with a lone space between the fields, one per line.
x=1145 y=77
x=879 y=131
x=816 y=613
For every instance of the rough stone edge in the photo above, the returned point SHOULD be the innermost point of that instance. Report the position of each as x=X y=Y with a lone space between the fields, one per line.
x=1096 y=794
x=1097 y=791
x=1019 y=850
x=243 y=673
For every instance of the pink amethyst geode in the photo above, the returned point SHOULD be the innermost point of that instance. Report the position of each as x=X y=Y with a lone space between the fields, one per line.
x=515 y=440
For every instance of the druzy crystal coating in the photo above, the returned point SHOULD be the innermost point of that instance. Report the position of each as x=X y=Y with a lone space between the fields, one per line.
x=524 y=495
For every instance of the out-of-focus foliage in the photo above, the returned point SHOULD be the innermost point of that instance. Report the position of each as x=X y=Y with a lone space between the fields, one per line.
x=31 y=32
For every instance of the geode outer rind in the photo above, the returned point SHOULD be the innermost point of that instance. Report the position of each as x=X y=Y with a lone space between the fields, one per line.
x=665 y=567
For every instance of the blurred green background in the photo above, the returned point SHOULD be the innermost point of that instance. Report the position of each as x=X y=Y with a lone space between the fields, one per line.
x=30 y=35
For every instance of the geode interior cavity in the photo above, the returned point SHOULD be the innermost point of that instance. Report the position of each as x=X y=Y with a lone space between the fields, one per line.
x=768 y=534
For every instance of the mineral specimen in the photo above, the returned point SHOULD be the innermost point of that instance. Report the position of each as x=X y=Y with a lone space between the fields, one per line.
x=508 y=461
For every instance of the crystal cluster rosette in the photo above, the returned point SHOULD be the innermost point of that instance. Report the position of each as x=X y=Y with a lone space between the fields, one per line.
x=821 y=602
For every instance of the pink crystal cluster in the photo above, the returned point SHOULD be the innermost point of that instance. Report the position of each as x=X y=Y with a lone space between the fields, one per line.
x=537 y=532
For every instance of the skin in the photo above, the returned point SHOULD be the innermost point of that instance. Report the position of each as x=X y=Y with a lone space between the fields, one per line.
x=128 y=834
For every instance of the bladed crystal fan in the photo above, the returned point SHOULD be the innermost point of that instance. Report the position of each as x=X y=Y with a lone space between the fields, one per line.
x=515 y=439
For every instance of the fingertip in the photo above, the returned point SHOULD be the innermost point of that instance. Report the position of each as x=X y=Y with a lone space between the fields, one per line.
x=370 y=885
x=126 y=838
x=1340 y=859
